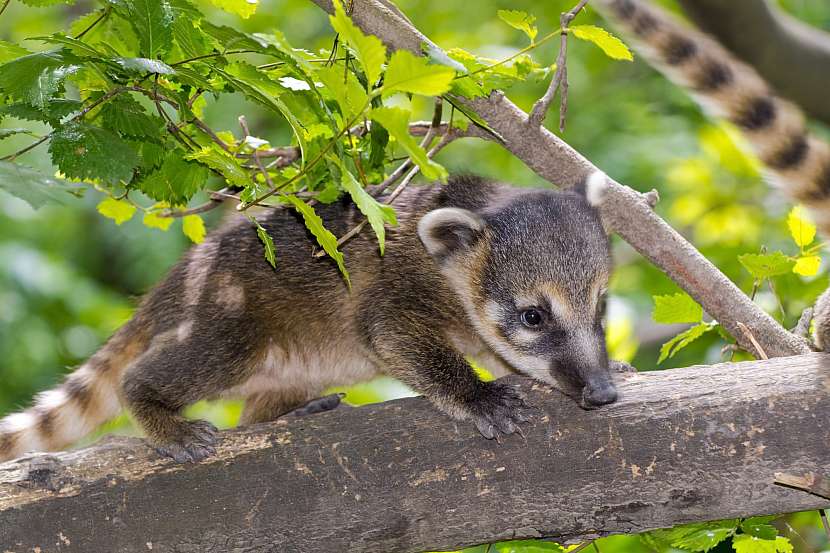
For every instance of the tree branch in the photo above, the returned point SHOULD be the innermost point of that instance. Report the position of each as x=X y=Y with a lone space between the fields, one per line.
x=683 y=445
x=626 y=211
x=792 y=56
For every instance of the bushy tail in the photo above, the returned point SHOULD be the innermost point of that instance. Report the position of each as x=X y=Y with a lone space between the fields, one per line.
x=87 y=398
x=794 y=159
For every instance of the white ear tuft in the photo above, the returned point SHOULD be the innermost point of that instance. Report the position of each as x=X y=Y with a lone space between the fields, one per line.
x=595 y=188
x=449 y=229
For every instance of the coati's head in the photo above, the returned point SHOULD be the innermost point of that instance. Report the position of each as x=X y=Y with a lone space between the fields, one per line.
x=532 y=270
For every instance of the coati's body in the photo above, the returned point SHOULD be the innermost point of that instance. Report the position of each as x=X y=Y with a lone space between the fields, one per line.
x=458 y=281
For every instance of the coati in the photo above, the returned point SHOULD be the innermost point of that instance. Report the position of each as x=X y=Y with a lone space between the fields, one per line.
x=513 y=278
x=794 y=159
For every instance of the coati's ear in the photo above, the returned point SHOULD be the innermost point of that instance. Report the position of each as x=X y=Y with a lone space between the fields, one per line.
x=448 y=230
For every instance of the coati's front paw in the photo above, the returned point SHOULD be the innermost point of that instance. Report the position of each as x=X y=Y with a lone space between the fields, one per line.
x=499 y=409
x=193 y=441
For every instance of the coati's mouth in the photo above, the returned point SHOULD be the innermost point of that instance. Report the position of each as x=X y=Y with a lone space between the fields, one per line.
x=588 y=396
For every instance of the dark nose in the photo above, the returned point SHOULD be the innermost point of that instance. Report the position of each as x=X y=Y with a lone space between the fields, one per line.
x=596 y=396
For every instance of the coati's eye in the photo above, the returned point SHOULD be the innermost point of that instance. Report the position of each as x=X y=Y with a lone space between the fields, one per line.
x=531 y=318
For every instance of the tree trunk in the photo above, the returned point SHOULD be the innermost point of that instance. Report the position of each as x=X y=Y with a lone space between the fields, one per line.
x=683 y=445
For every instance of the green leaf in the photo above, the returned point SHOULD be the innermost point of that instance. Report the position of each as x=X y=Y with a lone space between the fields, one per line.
x=676 y=308
x=325 y=238
x=192 y=41
x=409 y=73
x=807 y=265
x=128 y=117
x=55 y=110
x=375 y=212
x=396 y=121
x=176 y=181
x=611 y=45
x=222 y=161
x=117 y=210
x=35 y=78
x=766 y=265
x=87 y=152
x=194 y=228
x=346 y=90
x=44 y=3
x=527 y=546
x=683 y=339
x=144 y=65
x=746 y=543
x=520 y=20
x=759 y=527
x=33 y=186
x=369 y=50
x=10 y=51
x=154 y=220
x=5 y=133
x=152 y=21
x=802 y=230
x=268 y=242
x=76 y=46
x=705 y=536
x=242 y=8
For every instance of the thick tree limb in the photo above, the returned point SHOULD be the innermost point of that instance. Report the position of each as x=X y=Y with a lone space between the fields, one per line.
x=627 y=212
x=682 y=445
x=792 y=56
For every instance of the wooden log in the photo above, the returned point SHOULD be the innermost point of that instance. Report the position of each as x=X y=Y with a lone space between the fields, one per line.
x=694 y=444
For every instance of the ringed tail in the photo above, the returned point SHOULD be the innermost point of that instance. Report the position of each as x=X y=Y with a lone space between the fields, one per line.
x=87 y=398
x=794 y=159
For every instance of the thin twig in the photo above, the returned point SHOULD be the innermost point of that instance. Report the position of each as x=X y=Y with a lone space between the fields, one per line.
x=753 y=341
x=92 y=25
x=560 y=77
x=823 y=514
x=4 y=6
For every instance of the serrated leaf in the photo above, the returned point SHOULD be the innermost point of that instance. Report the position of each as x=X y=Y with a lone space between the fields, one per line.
x=345 y=89
x=378 y=214
x=369 y=50
x=145 y=65
x=409 y=73
x=35 y=78
x=325 y=238
x=396 y=121
x=128 y=117
x=520 y=20
x=676 y=308
x=192 y=41
x=10 y=51
x=223 y=162
x=268 y=242
x=176 y=181
x=746 y=543
x=57 y=109
x=807 y=265
x=119 y=211
x=802 y=230
x=760 y=527
x=194 y=228
x=611 y=45
x=766 y=265
x=705 y=536
x=34 y=187
x=153 y=220
x=85 y=151
x=527 y=546
x=75 y=46
x=242 y=8
x=682 y=340
x=152 y=21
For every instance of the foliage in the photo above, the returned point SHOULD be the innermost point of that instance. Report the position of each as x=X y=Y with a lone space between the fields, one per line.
x=68 y=276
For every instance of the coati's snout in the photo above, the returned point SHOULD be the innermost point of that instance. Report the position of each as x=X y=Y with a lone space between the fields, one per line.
x=532 y=275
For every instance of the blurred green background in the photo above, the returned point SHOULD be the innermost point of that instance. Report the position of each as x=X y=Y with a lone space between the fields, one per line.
x=69 y=277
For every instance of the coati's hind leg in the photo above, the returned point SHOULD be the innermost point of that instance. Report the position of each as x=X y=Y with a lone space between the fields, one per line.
x=180 y=368
x=269 y=406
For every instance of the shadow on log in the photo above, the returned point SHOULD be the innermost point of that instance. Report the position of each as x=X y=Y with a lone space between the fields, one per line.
x=683 y=445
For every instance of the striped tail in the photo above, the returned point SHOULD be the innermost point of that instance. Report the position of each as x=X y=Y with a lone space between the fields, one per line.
x=87 y=398
x=794 y=159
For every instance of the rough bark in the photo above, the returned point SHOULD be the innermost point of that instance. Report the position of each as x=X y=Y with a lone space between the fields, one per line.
x=792 y=56
x=627 y=211
x=683 y=445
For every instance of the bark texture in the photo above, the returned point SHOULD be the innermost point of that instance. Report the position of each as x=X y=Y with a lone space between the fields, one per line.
x=683 y=445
